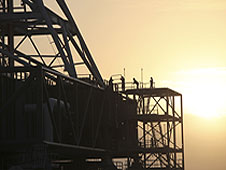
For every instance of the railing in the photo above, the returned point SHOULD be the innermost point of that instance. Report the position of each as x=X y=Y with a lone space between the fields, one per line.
x=118 y=86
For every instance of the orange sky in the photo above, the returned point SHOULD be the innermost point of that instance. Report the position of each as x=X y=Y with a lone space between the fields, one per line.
x=182 y=44
x=159 y=36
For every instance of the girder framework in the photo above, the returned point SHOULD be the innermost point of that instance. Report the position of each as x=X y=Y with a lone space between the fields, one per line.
x=60 y=118
x=49 y=96
x=24 y=27
x=50 y=114
x=160 y=128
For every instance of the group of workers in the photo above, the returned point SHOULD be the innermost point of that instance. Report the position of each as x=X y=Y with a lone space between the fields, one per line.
x=137 y=83
x=134 y=82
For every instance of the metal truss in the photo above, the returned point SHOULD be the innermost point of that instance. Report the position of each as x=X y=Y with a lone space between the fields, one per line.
x=160 y=128
x=68 y=119
x=48 y=117
x=62 y=114
x=31 y=22
x=65 y=102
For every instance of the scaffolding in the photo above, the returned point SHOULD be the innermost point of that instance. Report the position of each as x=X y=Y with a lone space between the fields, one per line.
x=159 y=127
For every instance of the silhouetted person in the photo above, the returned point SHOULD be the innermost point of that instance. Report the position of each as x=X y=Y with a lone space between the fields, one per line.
x=151 y=83
x=123 y=83
x=111 y=83
x=136 y=82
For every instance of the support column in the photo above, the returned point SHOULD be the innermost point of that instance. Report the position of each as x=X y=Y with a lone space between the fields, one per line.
x=10 y=33
x=168 y=131
x=182 y=130
x=174 y=133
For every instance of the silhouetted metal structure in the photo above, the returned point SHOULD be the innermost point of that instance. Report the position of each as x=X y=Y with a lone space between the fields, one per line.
x=57 y=113
x=160 y=128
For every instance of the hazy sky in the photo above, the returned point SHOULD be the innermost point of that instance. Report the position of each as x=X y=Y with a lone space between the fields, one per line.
x=182 y=44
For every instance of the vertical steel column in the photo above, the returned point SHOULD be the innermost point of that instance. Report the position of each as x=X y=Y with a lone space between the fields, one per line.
x=182 y=130
x=10 y=33
x=144 y=131
x=168 y=130
x=174 y=132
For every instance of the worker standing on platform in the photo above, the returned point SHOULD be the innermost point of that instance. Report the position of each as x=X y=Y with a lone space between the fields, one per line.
x=111 y=83
x=151 y=83
x=123 y=83
x=136 y=82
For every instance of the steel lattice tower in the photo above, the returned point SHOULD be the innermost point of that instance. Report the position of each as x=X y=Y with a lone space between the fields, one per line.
x=31 y=20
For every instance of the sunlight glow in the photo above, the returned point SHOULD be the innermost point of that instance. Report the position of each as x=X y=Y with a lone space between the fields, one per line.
x=204 y=92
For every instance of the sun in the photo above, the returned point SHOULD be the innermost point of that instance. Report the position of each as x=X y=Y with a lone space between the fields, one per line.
x=204 y=100
x=204 y=92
